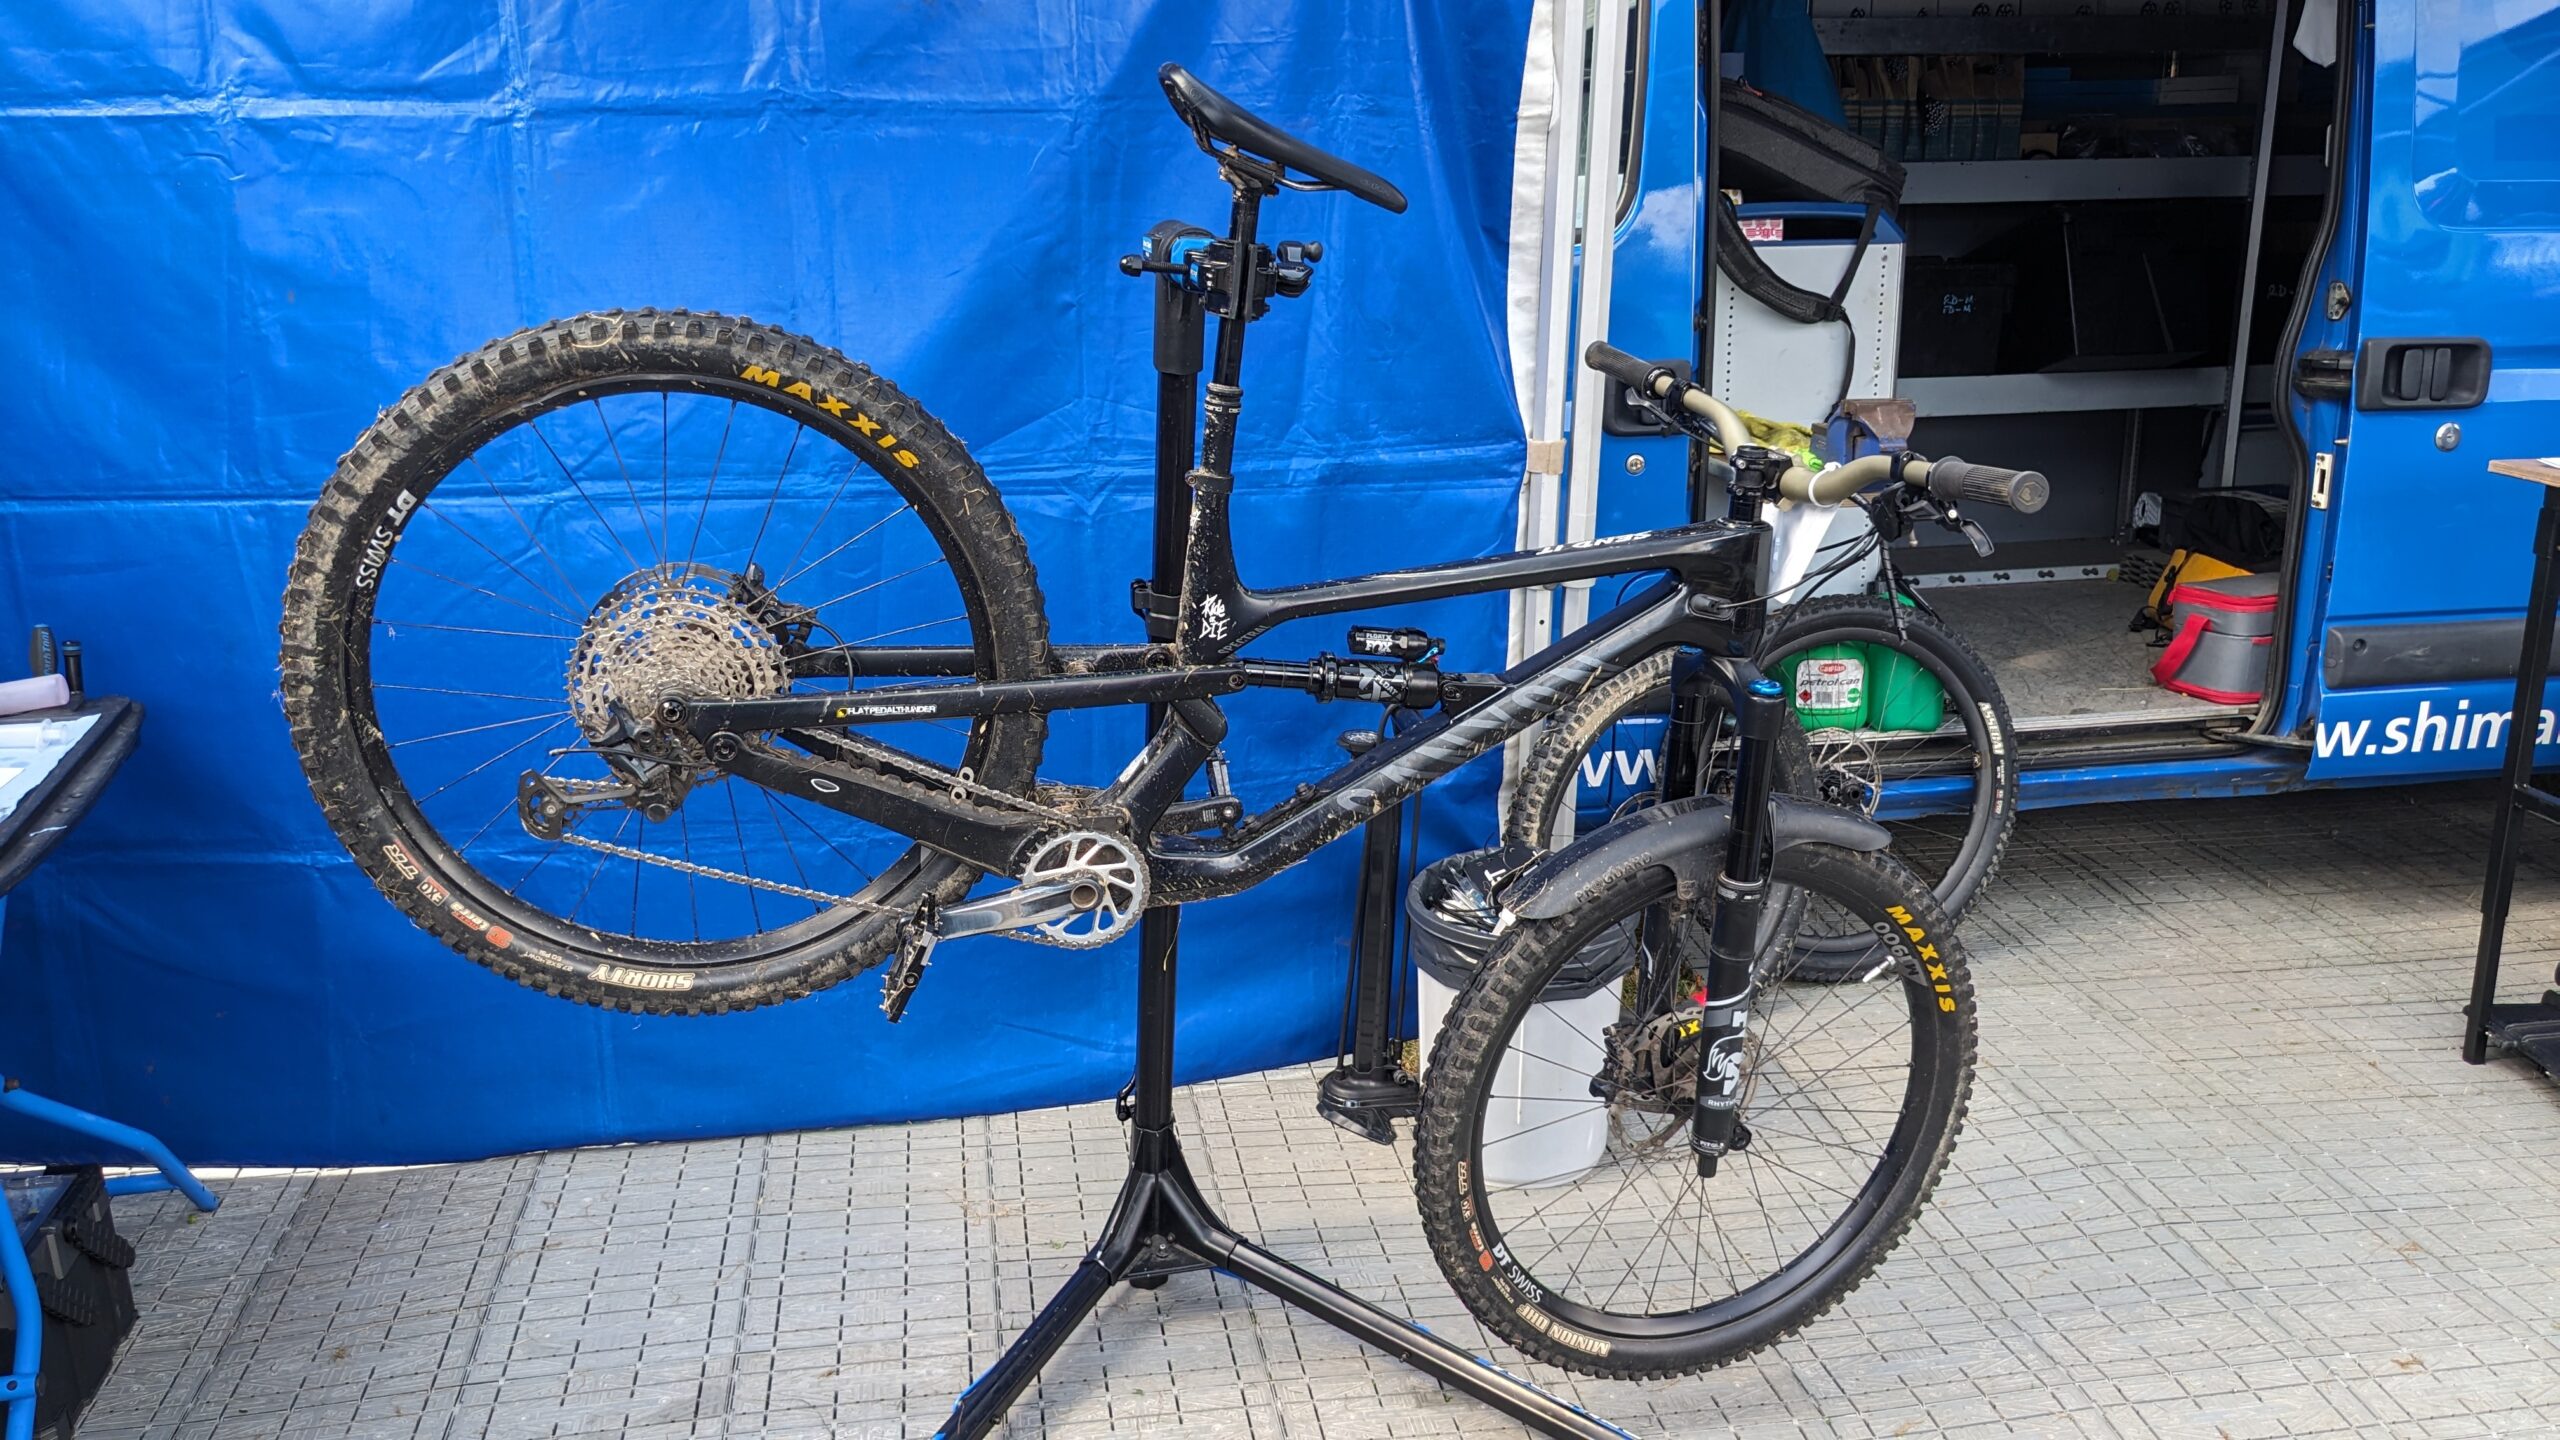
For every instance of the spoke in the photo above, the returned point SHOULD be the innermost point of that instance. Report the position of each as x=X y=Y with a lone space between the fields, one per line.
x=1724 y=1248
x=1532 y=1130
x=1768 y=1227
x=501 y=496
x=842 y=546
x=481 y=590
x=593 y=875
x=885 y=635
x=746 y=862
x=1827 y=1072
x=876 y=584
x=456 y=527
x=789 y=849
x=477 y=694
x=776 y=497
x=1599 y=1227
x=1661 y=1231
x=695 y=545
x=535 y=425
x=638 y=510
x=665 y=529
x=1765 y=1158
x=692 y=886
x=1870 y=1156
x=492 y=760
x=472 y=730
x=1565 y=1194
x=396 y=625
x=867 y=876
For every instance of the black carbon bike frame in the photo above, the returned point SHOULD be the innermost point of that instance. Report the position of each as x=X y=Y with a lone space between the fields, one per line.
x=1198 y=614
x=1706 y=599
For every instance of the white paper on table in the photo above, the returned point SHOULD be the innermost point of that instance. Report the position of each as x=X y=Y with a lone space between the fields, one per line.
x=29 y=751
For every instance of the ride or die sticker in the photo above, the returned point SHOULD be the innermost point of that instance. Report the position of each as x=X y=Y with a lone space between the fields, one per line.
x=1837 y=682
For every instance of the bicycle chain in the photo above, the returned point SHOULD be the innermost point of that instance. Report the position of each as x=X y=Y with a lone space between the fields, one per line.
x=823 y=897
x=690 y=867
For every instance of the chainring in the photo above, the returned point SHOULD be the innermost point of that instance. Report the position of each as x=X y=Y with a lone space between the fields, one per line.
x=1110 y=865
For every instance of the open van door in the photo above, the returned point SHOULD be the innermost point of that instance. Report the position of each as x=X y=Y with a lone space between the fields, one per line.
x=2439 y=308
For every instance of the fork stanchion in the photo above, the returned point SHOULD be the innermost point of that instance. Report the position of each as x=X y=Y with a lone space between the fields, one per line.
x=1162 y=1223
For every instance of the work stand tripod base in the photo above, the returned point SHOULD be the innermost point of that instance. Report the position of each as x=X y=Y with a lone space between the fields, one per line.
x=1161 y=1220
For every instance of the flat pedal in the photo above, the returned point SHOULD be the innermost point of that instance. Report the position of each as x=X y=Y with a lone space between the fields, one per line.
x=916 y=939
x=1368 y=1105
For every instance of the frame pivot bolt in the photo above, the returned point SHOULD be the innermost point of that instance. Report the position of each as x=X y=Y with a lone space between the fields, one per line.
x=1767 y=688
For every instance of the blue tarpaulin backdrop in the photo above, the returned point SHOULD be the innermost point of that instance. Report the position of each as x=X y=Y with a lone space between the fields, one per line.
x=237 y=230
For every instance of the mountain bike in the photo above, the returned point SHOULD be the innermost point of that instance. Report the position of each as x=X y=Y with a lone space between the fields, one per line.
x=1897 y=714
x=673 y=663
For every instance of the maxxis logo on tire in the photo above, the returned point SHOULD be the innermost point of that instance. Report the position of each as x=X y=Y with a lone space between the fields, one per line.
x=843 y=410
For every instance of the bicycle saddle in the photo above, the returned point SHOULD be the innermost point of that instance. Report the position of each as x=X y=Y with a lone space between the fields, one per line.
x=1214 y=118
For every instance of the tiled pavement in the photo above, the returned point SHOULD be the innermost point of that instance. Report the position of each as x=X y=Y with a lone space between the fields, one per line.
x=2225 y=1177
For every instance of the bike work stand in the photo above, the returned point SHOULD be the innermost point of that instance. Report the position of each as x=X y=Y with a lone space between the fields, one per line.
x=1162 y=1224
x=2530 y=1030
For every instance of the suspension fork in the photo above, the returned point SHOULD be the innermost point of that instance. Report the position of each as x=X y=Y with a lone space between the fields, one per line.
x=1742 y=895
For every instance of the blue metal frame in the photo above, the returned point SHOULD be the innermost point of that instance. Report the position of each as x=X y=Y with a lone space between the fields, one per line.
x=18 y=1385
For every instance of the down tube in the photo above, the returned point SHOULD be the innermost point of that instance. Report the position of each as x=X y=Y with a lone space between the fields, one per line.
x=1534 y=689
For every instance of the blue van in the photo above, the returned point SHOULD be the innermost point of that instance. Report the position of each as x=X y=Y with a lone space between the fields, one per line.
x=2298 y=261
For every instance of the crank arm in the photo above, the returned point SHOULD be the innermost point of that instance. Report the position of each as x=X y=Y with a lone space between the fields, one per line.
x=1019 y=908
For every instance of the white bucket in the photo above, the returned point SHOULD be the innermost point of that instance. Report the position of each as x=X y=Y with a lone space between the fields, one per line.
x=1541 y=1124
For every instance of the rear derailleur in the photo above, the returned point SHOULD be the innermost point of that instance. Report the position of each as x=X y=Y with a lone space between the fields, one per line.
x=653 y=771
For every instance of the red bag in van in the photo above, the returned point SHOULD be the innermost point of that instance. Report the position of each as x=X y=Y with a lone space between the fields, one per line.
x=2219 y=631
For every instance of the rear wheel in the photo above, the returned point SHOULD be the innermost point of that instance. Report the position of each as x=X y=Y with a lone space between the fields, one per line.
x=529 y=551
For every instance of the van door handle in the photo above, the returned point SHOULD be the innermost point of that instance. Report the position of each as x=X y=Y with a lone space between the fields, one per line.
x=2430 y=373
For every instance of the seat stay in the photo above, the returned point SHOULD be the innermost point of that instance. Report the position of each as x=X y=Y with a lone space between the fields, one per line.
x=1214 y=120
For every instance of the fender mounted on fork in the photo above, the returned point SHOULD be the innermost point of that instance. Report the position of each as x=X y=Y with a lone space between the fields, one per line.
x=1685 y=837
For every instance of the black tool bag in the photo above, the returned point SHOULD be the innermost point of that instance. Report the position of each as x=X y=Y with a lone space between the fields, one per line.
x=1774 y=150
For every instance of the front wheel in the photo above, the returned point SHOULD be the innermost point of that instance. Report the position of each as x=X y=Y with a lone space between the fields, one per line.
x=1551 y=1155
x=1936 y=734
x=523 y=558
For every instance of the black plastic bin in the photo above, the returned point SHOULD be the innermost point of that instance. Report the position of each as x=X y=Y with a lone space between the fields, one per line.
x=80 y=1266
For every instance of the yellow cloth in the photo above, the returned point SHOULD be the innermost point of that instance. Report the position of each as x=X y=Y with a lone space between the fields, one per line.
x=1796 y=440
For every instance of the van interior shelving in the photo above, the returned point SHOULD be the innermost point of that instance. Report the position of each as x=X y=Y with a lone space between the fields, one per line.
x=2147 y=229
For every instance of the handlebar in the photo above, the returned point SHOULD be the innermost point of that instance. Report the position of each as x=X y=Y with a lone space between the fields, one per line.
x=1948 y=481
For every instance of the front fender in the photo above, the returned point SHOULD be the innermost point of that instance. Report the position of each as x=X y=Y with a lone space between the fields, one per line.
x=1685 y=837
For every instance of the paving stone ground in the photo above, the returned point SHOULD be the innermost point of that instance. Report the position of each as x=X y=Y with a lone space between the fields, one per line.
x=2225 y=1177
